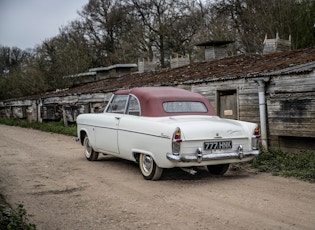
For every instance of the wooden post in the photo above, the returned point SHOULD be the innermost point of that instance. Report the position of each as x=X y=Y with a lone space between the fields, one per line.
x=64 y=116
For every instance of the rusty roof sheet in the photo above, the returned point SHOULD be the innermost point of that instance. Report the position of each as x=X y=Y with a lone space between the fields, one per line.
x=241 y=66
x=302 y=68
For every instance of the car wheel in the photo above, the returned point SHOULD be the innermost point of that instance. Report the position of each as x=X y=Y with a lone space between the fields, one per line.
x=218 y=169
x=89 y=152
x=148 y=167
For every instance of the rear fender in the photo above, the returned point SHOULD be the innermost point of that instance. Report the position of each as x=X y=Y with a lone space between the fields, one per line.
x=136 y=153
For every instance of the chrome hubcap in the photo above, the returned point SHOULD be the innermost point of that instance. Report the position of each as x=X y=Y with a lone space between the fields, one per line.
x=147 y=164
x=88 y=148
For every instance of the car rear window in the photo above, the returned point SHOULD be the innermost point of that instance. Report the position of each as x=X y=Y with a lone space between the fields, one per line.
x=184 y=107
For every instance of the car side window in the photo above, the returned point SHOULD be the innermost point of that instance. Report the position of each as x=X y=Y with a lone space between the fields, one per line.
x=118 y=104
x=133 y=106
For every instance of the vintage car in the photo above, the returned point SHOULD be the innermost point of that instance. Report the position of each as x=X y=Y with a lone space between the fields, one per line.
x=165 y=127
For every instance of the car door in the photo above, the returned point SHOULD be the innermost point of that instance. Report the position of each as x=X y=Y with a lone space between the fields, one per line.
x=127 y=136
x=107 y=129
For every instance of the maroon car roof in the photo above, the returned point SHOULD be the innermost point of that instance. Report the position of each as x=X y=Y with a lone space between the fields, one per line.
x=152 y=98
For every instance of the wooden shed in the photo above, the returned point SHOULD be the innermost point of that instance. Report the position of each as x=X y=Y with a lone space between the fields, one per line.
x=216 y=49
x=275 y=90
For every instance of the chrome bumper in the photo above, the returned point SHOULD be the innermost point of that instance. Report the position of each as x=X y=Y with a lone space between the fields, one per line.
x=199 y=156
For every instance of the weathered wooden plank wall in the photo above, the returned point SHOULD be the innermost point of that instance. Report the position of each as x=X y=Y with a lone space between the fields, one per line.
x=291 y=105
x=54 y=108
x=291 y=110
x=247 y=96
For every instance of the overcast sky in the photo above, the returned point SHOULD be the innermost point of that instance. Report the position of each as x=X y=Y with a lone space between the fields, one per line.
x=27 y=23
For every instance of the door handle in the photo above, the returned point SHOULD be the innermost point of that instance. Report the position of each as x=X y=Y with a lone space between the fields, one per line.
x=117 y=118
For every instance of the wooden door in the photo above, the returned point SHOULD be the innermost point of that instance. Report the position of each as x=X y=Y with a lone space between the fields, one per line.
x=227 y=104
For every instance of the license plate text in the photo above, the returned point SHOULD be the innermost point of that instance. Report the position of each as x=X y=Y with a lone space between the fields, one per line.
x=218 y=145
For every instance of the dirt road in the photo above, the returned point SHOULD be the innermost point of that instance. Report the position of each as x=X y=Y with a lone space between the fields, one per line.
x=60 y=189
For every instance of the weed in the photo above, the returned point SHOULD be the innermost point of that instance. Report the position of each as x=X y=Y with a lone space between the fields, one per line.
x=14 y=220
x=299 y=165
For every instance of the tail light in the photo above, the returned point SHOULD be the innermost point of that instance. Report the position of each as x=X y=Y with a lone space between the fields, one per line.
x=255 y=138
x=257 y=132
x=177 y=139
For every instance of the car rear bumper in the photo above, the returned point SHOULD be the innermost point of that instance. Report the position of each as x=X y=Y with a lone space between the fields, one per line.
x=199 y=156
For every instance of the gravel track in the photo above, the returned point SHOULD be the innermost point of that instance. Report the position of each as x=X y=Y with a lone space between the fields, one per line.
x=60 y=189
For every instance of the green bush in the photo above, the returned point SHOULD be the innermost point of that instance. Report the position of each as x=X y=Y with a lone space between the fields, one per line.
x=299 y=165
x=14 y=220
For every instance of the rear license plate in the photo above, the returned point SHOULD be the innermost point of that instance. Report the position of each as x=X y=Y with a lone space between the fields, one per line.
x=218 y=145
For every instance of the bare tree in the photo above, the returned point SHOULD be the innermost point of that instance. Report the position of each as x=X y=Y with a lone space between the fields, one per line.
x=248 y=21
x=105 y=23
x=185 y=27
x=19 y=76
x=11 y=58
x=121 y=31
x=302 y=26
x=157 y=17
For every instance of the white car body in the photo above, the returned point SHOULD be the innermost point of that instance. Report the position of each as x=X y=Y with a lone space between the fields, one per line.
x=166 y=140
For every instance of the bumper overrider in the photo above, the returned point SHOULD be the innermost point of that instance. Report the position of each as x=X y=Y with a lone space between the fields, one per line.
x=199 y=156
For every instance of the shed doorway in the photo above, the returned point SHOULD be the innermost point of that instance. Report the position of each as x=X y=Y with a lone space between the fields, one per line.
x=227 y=104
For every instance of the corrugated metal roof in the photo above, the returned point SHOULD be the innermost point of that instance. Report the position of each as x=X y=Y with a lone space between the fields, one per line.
x=303 y=68
x=99 y=69
x=241 y=66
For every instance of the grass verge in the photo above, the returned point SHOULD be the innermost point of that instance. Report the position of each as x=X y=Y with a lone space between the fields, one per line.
x=54 y=127
x=298 y=165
